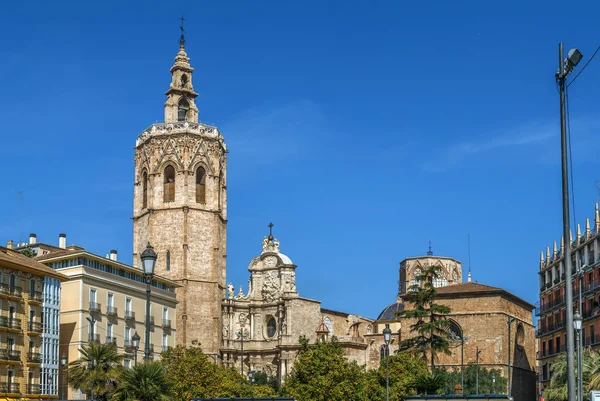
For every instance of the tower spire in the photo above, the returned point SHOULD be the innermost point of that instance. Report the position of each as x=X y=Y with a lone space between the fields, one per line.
x=430 y=252
x=182 y=37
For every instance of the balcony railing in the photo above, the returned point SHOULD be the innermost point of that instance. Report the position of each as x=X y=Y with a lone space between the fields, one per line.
x=111 y=311
x=547 y=328
x=127 y=343
x=11 y=290
x=35 y=327
x=10 y=323
x=129 y=315
x=14 y=355
x=549 y=305
x=36 y=296
x=111 y=340
x=95 y=338
x=34 y=357
x=95 y=307
x=34 y=389
x=10 y=388
x=166 y=323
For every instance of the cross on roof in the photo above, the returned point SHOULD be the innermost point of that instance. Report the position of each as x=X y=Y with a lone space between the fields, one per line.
x=270 y=231
x=182 y=37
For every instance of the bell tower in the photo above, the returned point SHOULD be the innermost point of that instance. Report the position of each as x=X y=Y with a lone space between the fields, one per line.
x=180 y=207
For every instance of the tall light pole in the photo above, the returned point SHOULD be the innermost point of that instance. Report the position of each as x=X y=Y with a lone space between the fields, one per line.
x=387 y=333
x=564 y=68
x=493 y=383
x=148 y=262
x=241 y=336
x=508 y=383
x=577 y=320
x=135 y=339
x=477 y=352
x=63 y=363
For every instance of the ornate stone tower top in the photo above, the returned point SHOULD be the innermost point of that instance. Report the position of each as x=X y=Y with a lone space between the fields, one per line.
x=180 y=104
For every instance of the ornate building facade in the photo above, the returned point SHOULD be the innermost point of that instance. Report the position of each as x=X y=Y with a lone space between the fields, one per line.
x=180 y=207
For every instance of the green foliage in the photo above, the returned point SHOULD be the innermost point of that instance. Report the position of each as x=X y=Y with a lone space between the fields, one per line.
x=97 y=371
x=28 y=252
x=144 y=382
x=404 y=368
x=194 y=375
x=431 y=323
x=557 y=391
x=322 y=373
x=430 y=383
x=263 y=379
x=486 y=383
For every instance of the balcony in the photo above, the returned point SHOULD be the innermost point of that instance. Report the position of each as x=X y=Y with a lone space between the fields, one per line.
x=95 y=307
x=111 y=311
x=10 y=323
x=11 y=291
x=35 y=328
x=94 y=338
x=110 y=340
x=151 y=320
x=34 y=357
x=36 y=297
x=127 y=343
x=166 y=323
x=34 y=389
x=10 y=388
x=549 y=306
x=14 y=355
x=129 y=315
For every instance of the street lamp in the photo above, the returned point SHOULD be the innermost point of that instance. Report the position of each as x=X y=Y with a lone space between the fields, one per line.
x=135 y=339
x=564 y=68
x=477 y=352
x=387 y=333
x=577 y=321
x=63 y=362
x=493 y=383
x=148 y=262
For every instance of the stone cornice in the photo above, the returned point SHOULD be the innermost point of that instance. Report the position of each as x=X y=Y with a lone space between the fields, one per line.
x=182 y=127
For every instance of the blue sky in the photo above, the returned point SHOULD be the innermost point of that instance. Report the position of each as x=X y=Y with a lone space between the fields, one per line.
x=360 y=129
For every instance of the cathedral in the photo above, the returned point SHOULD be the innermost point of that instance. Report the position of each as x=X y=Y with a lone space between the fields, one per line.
x=180 y=207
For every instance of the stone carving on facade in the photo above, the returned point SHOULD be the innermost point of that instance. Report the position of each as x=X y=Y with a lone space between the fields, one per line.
x=242 y=318
x=225 y=331
x=240 y=295
x=270 y=245
x=270 y=261
x=270 y=288
x=230 y=291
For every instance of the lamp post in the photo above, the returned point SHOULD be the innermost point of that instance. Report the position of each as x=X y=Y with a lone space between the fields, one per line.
x=508 y=383
x=387 y=333
x=477 y=352
x=135 y=339
x=493 y=383
x=92 y=320
x=148 y=262
x=462 y=359
x=577 y=320
x=63 y=363
x=565 y=66
x=241 y=336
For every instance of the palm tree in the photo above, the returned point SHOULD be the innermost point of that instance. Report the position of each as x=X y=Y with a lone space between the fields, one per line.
x=430 y=383
x=145 y=382
x=557 y=391
x=96 y=371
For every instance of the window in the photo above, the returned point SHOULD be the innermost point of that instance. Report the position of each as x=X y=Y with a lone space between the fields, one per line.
x=592 y=335
x=128 y=335
x=329 y=324
x=271 y=326
x=127 y=305
x=200 y=185
x=184 y=80
x=520 y=335
x=165 y=342
x=165 y=315
x=110 y=300
x=182 y=110
x=109 y=332
x=12 y=282
x=169 y=185
x=168 y=260
x=93 y=295
x=145 y=190
x=31 y=286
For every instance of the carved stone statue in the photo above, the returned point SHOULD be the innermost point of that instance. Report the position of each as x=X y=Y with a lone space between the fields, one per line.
x=230 y=291
x=240 y=294
x=264 y=244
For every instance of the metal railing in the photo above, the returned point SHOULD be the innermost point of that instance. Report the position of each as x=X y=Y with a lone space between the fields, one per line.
x=14 y=355
x=34 y=357
x=34 y=389
x=129 y=315
x=37 y=296
x=549 y=305
x=95 y=307
x=166 y=323
x=11 y=290
x=35 y=327
x=111 y=310
x=111 y=340
x=10 y=388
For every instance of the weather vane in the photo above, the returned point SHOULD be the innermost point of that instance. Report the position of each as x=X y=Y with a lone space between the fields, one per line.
x=182 y=37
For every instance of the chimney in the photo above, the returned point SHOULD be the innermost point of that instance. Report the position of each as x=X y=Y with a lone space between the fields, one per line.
x=113 y=255
x=32 y=239
x=62 y=241
x=10 y=244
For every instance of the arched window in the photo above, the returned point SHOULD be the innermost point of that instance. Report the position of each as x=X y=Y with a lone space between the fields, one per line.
x=455 y=332
x=520 y=335
x=382 y=352
x=145 y=190
x=271 y=326
x=329 y=325
x=200 y=185
x=169 y=186
x=184 y=80
x=182 y=110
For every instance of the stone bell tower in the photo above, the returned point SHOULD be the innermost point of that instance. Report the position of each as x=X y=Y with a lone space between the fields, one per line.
x=180 y=207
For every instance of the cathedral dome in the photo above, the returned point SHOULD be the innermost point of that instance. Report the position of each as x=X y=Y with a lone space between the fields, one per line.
x=390 y=312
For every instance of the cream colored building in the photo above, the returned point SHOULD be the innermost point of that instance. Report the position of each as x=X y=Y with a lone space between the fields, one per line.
x=105 y=301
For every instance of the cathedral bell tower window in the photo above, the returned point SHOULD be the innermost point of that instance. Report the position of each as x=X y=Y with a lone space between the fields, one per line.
x=169 y=184
x=182 y=110
x=145 y=190
x=184 y=80
x=200 y=185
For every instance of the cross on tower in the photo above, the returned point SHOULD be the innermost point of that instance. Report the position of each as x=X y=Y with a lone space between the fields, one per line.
x=182 y=38
x=270 y=231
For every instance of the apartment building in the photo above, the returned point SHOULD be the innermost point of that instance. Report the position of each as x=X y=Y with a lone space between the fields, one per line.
x=29 y=327
x=585 y=281
x=105 y=301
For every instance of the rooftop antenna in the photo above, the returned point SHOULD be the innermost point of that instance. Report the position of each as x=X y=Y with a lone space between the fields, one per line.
x=21 y=199
x=430 y=252
x=469 y=246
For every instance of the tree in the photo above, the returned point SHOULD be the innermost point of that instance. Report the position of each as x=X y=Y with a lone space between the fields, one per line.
x=404 y=369
x=194 y=375
x=144 y=382
x=431 y=323
x=322 y=373
x=430 y=383
x=97 y=370
x=28 y=252
x=557 y=391
x=486 y=380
